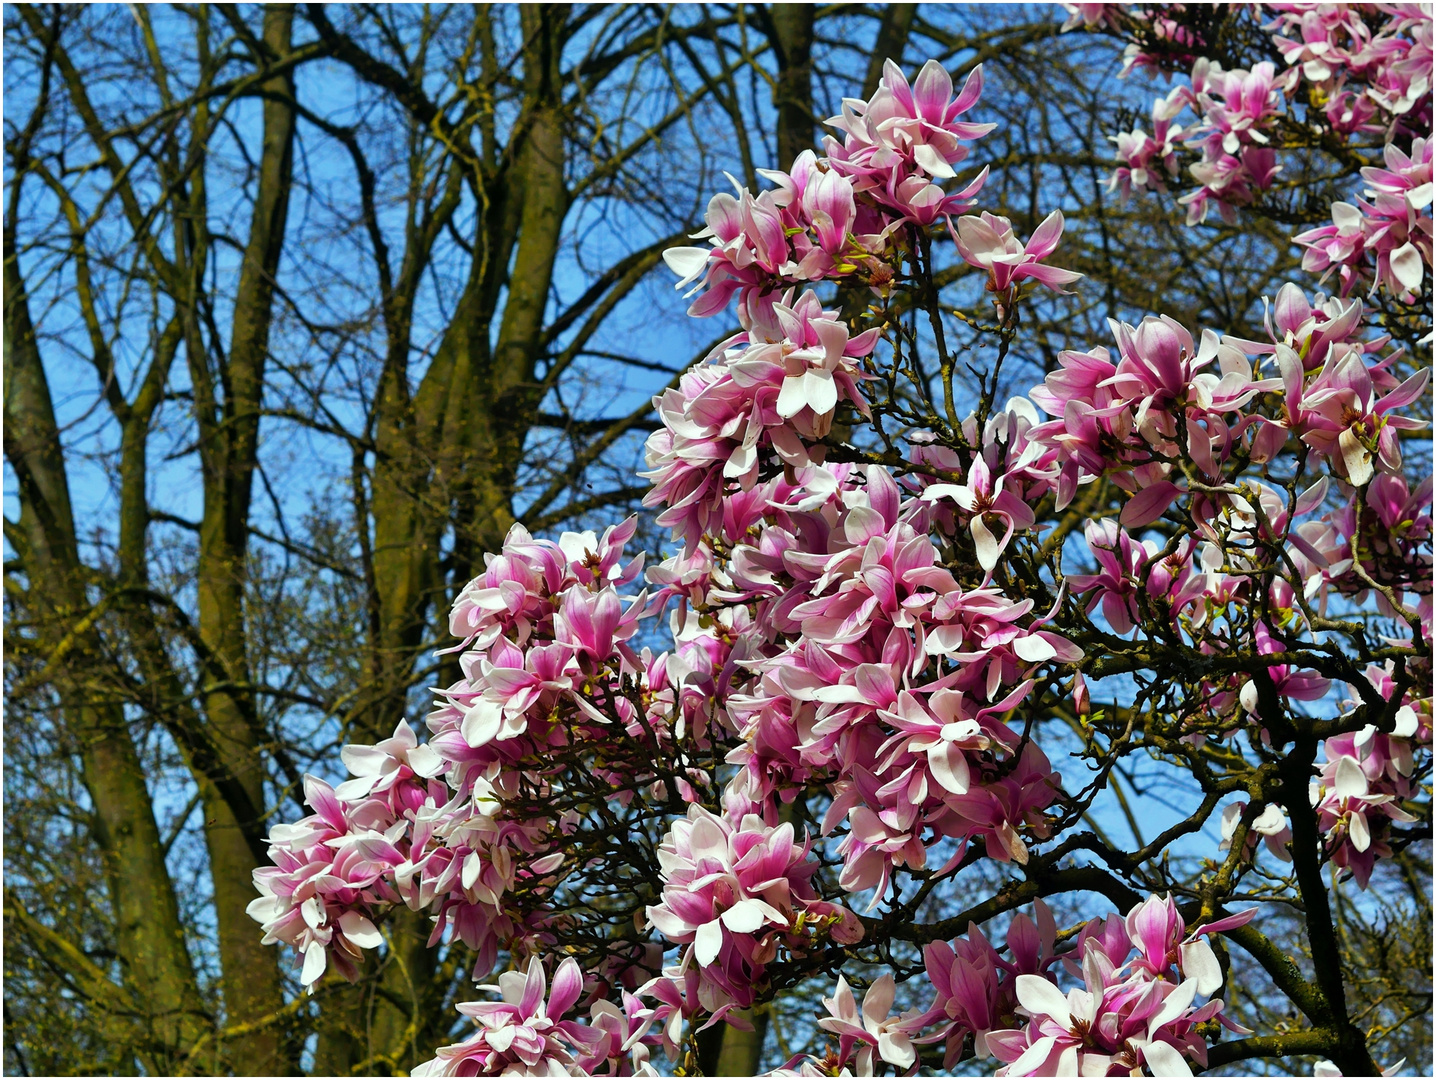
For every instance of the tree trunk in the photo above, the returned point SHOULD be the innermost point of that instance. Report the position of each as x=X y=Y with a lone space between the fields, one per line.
x=251 y=980
x=453 y=449
x=793 y=94
x=891 y=41
x=149 y=936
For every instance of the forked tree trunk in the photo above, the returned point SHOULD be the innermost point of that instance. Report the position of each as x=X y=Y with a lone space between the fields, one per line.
x=229 y=454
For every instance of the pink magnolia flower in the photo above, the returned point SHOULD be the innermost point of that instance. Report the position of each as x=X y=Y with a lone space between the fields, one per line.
x=1158 y=932
x=594 y=624
x=749 y=250
x=1311 y=329
x=982 y=499
x=1229 y=181
x=595 y=561
x=828 y=204
x=1339 y=415
x=1141 y=1012
x=1353 y=809
x=622 y=1045
x=512 y=682
x=1290 y=683
x=521 y=1034
x=1089 y=16
x=731 y=892
x=397 y=767
x=1270 y=827
x=1161 y=367
x=875 y=1030
x=975 y=985
x=988 y=243
x=817 y=358
x=1115 y=587
x=905 y=127
x=509 y=596
x=1059 y=1039
x=769 y=391
x=1236 y=105
x=328 y=881
x=1388 y=237
x=1143 y=158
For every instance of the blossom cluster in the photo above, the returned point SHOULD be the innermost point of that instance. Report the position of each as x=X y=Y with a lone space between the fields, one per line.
x=1352 y=74
x=544 y=632
x=848 y=637
x=1136 y=1007
x=732 y=892
x=1140 y=975
x=836 y=216
x=1367 y=774
x=1330 y=397
x=1387 y=234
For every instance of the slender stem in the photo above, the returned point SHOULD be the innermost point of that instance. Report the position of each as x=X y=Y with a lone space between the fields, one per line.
x=934 y=315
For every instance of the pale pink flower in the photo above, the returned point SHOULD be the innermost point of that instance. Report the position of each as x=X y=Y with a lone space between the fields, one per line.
x=522 y=1034
x=987 y=242
x=902 y=126
x=1147 y=161
x=875 y=1029
x=397 y=767
x=1269 y=827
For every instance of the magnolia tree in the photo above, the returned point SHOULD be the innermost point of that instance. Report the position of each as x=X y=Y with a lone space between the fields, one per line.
x=891 y=596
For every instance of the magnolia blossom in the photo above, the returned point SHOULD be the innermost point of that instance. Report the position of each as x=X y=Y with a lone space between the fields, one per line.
x=810 y=227
x=1148 y=161
x=1270 y=827
x=1130 y=1012
x=733 y=891
x=522 y=1034
x=874 y=1030
x=1088 y=16
x=987 y=242
x=976 y=985
x=1360 y=789
x=907 y=127
x=1388 y=237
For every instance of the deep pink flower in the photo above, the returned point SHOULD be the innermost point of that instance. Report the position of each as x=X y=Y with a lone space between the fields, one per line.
x=1339 y=415
x=976 y=986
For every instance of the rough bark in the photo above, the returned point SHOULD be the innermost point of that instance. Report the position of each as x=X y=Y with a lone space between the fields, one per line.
x=448 y=454
x=890 y=43
x=150 y=937
x=793 y=92
x=229 y=435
